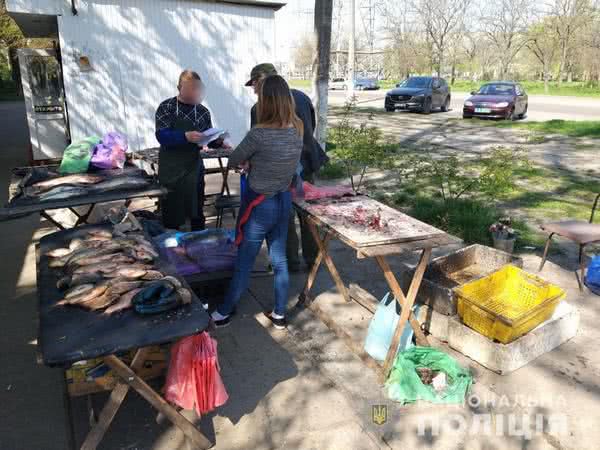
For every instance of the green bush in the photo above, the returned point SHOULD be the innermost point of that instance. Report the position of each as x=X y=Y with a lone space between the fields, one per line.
x=356 y=147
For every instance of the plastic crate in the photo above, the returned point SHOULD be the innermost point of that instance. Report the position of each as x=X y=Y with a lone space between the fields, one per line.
x=507 y=303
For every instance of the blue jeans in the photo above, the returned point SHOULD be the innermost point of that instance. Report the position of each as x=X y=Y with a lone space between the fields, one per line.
x=268 y=220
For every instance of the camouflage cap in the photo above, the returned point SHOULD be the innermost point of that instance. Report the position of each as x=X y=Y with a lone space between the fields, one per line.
x=264 y=69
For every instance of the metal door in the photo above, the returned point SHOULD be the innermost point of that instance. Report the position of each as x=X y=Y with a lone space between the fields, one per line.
x=44 y=102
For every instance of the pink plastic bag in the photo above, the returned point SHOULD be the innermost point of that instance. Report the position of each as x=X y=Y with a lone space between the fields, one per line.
x=193 y=379
x=110 y=152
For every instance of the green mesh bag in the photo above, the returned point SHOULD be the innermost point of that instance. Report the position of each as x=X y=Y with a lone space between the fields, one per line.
x=76 y=157
x=405 y=386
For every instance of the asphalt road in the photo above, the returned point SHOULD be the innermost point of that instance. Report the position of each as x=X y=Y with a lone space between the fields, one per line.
x=541 y=107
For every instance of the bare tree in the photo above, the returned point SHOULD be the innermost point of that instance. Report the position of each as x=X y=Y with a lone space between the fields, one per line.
x=323 y=17
x=505 y=23
x=304 y=55
x=571 y=16
x=543 y=42
x=441 y=20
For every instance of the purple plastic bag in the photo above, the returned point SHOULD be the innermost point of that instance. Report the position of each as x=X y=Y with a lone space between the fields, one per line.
x=110 y=152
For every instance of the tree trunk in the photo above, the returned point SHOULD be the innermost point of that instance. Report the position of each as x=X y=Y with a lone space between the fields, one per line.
x=323 y=15
x=546 y=76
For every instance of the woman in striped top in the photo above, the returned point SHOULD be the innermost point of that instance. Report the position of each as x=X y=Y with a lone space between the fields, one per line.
x=270 y=152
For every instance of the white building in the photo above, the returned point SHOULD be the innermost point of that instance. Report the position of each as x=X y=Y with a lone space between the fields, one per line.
x=136 y=50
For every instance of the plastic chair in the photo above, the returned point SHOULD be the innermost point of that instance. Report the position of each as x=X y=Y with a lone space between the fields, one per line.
x=578 y=231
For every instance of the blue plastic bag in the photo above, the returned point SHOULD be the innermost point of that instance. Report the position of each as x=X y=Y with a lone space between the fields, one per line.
x=382 y=327
x=592 y=277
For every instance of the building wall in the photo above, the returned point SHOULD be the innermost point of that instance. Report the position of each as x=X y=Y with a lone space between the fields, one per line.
x=137 y=48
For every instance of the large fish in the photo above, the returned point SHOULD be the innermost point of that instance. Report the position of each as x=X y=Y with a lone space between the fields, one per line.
x=78 y=279
x=121 y=183
x=67 y=180
x=105 y=267
x=131 y=272
x=62 y=192
x=86 y=296
x=104 y=300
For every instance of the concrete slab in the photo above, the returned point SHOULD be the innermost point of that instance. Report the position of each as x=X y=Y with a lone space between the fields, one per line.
x=505 y=358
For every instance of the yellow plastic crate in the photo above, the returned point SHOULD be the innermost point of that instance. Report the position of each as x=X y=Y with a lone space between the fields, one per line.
x=507 y=304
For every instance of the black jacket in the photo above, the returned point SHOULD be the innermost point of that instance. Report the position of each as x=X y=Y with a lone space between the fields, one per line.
x=313 y=157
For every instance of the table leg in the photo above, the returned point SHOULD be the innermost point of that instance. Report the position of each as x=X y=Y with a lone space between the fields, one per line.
x=152 y=397
x=406 y=307
x=328 y=261
x=117 y=396
x=225 y=174
x=312 y=275
x=46 y=216
x=401 y=299
x=83 y=217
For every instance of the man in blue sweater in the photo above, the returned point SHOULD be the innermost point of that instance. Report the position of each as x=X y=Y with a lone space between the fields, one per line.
x=180 y=122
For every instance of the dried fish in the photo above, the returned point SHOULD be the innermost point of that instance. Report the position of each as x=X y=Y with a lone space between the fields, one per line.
x=78 y=290
x=103 y=267
x=59 y=252
x=96 y=292
x=130 y=272
x=186 y=295
x=124 y=286
x=105 y=300
x=125 y=302
x=153 y=275
x=174 y=281
x=75 y=280
x=114 y=258
x=100 y=233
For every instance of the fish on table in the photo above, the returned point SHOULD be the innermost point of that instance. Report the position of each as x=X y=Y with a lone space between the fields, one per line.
x=108 y=271
x=63 y=181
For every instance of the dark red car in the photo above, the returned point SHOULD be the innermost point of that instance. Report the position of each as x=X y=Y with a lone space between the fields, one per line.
x=497 y=100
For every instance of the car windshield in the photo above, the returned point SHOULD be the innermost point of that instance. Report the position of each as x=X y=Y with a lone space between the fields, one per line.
x=496 y=89
x=416 y=82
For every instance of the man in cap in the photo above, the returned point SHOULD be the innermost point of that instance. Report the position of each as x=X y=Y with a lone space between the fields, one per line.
x=312 y=159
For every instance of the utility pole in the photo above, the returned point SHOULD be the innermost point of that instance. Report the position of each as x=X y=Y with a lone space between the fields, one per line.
x=350 y=81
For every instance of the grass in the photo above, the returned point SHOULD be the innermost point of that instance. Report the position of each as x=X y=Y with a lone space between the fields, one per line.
x=572 y=128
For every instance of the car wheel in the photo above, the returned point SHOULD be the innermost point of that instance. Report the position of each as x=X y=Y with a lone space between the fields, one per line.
x=446 y=105
x=524 y=113
x=511 y=115
x=467 y=117
x=389 y=109
x=426 y=106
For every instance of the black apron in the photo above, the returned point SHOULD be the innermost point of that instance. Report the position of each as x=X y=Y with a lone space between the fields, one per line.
x=178 y=172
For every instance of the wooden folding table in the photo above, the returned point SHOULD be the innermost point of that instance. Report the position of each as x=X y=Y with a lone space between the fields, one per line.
x=373 y=230
x=70 y=334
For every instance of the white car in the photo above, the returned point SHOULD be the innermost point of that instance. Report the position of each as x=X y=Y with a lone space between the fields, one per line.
x=337 y=83
x=360 y=84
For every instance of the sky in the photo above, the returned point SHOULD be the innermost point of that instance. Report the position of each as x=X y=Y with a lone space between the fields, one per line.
x=295 y=20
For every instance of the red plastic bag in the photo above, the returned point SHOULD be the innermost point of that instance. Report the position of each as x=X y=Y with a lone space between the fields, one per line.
x=193 y=379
